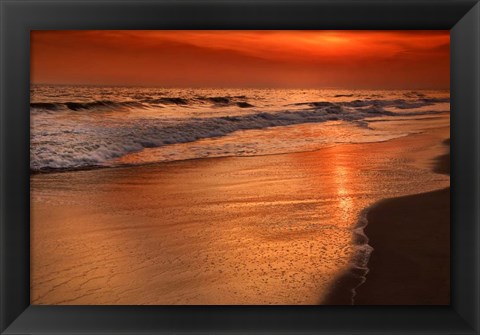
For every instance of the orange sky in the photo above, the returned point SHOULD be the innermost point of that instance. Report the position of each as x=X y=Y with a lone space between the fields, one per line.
x=298 y=59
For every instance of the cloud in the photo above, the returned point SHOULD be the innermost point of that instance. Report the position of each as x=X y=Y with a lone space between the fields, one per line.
x=243 y=58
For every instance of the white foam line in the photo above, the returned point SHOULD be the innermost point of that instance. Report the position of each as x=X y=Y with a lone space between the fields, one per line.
x=364 y=250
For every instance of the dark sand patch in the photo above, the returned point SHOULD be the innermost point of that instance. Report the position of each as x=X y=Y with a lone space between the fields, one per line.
x=411 y=238
x=410 y=264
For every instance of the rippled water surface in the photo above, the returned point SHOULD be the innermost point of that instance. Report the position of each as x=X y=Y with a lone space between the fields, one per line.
x=85 y=127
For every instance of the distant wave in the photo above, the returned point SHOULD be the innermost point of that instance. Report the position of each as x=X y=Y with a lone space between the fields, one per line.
x=93 y=146
x=414 y=94
x=239 y=101
x=167 y=101
x=76 y=106
x=226 y=101
x=397 y=103
x=141 y=103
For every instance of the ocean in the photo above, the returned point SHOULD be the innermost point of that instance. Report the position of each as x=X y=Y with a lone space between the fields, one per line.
x=80 y=127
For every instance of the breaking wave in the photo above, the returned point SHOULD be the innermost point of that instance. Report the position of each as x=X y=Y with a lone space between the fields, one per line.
x=80 y=127
x=92 y=145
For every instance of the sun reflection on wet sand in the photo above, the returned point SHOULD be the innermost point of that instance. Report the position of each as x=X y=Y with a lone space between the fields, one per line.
x=345 y=202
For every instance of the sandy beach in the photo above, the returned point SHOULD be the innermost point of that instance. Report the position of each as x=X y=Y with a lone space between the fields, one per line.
x=276 y=229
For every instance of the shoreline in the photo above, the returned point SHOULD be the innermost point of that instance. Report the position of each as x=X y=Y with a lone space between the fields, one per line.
x=132 y=165
x=420 y=272
x=251 y=225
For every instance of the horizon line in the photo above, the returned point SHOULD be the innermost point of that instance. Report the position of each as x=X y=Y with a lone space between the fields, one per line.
x=242 y=87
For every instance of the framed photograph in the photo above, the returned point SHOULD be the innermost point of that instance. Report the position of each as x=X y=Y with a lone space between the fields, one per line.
x=240 y=166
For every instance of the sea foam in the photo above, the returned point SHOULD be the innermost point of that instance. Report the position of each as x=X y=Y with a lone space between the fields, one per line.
x=75 y=135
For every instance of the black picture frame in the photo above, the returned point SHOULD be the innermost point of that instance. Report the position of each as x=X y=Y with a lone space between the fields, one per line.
x=18 y=17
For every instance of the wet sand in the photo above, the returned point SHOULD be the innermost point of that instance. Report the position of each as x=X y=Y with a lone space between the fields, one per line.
x=241 y=230
x=410 y=264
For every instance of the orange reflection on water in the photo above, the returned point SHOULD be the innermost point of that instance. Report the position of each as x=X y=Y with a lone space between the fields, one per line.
x=345 y=201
